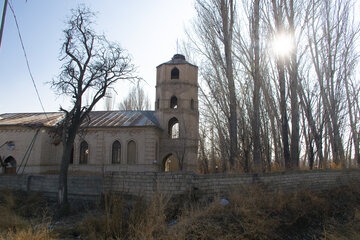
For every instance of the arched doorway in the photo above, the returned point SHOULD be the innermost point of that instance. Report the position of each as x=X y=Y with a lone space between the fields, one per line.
x=10 y=165
x=170 y=163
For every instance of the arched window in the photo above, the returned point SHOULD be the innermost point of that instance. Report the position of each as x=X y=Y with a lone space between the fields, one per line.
x=192 y=104
x=173 y=128
x=84 y=152
x=72 y=155
x=175 y=73
x=10 y=165
x=10 y=162
x=131 y=152
x=173 y=102
x=116 y=152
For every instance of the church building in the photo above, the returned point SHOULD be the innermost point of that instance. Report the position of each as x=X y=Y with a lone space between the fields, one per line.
x=137 y=141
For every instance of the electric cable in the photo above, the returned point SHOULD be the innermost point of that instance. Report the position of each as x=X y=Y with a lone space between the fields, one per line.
x=26 y=58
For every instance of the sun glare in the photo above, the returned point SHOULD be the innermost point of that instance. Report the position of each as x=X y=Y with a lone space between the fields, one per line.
x=282 y=44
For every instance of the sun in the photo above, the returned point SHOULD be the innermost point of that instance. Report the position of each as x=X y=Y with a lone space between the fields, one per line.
x=282 y=44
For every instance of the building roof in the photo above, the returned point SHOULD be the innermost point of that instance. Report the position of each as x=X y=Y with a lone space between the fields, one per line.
x=177 y=59
x=97 y=119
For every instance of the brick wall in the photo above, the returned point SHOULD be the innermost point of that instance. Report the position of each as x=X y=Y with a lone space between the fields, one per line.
x=211 y=185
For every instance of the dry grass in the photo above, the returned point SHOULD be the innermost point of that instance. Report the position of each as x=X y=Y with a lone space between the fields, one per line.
x=9 y=218
x=106 y=223
x=350 y=230
x=22 y=216
x=40 y=232
x=252 y=213
x=119 y=220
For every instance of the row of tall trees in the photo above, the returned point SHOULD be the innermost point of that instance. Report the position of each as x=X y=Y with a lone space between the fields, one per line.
x=278 y=83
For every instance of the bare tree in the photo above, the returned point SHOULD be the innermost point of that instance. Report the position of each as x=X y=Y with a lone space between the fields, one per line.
x=315 y=133
x=90 y=63
x=135 y=100
x=278 y=15
x=293 y=79
x=215 y=28
x=331 y=39
x=256 y=127
x=203 y=158
x=352 y=89
x=287 y=104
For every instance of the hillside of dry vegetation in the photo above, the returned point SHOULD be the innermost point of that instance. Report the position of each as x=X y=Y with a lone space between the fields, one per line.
x=248 y=213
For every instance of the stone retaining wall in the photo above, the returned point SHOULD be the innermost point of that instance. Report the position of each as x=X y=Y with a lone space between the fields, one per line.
x=210 y=185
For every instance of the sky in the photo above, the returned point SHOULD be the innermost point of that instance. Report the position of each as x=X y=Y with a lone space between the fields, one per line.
x=148 y=29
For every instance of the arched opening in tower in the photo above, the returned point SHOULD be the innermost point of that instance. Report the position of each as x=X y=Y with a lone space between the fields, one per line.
x=173 y=128
x=170 y=163
x=175 y=73
x=173 y=102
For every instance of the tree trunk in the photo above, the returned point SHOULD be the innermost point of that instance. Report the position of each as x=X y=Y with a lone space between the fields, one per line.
x=65 y=161
x=284 y=119
x=293 y=74
x=227 y=14
x=256 y=122
x=316 y=135
x=68 y=143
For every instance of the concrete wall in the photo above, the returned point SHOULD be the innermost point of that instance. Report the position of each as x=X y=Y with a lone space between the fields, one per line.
x=211 y=185
x=87 y=187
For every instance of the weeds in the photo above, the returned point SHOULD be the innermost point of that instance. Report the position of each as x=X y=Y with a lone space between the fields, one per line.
x=252 y=212
x=40 y=232
x=108 y=222
x=119 y=220
x=20 y=214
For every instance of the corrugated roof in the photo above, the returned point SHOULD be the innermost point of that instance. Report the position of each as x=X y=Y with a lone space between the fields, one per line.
x=30 y=119
x=97 y=119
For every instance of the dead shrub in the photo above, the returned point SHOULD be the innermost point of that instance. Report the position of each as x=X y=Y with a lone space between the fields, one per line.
x=109 y=223
x=148 y=219
x=40 y=232
x=118 y=220
x=255 y=213
x=9 y=219
x=20 y=212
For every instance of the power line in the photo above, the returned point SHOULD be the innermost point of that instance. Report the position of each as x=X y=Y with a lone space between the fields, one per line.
x=26 y=58
x=3 y=21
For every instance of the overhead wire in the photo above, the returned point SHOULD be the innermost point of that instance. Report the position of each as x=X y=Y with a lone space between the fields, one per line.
x=27 y=154
x=26 y=58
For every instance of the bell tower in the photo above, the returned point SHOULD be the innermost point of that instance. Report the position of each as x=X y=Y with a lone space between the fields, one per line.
x=176 y=109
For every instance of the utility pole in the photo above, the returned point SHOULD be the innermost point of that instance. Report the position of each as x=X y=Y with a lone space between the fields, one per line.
x=3 y=21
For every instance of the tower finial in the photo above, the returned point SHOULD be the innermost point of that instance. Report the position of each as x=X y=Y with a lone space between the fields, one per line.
x=177 y=45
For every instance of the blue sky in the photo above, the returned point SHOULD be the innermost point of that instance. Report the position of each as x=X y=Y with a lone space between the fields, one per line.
x=148 y=29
